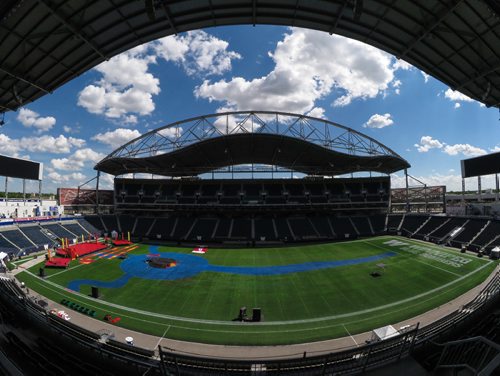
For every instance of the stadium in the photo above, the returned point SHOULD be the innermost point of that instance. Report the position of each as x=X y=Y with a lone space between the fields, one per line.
x=244 y=242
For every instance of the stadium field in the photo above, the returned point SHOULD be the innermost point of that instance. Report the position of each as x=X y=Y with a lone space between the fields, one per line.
x=306 y=293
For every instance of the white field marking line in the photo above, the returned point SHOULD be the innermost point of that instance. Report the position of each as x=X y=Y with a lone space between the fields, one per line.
x=267 y=323
x=237 y=331
x=406 y=253
x=350 y=335
x=64 y=271
x=163 y=336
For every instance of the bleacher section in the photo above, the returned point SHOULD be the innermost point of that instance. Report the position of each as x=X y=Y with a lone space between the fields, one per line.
x=127 y=223
x=58 y=230
x=133 y=193
x=393 y=222
x=488 y=235
x=342 y=226
x=430 y=225
x=203 y=229
x=378 y=223
x=445 y=229
x=92 y=224
x=362 y=225
x=303 y=229
x=264 y=229
x=36 y=235
x=412 y=222
x=76 y=229
x=110 y=223
x=142 y=226
x=471 y=229
x=18 y=238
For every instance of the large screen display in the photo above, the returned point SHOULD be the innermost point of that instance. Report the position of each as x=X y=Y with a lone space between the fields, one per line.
x=20 y=168
x=484 y=165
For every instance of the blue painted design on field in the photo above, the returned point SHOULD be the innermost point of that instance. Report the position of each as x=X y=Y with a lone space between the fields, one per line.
x=190 y=265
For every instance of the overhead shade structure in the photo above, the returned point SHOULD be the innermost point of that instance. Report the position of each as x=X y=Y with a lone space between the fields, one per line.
x=46 y=43
x=300 y=143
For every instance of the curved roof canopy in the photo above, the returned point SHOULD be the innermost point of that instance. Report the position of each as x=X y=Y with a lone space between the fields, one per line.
x=207 y=143
x=46 y=43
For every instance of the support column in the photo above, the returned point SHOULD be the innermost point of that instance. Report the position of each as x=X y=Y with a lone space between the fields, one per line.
x=497 y=187
x=6 y=189
x=463 y=191
x=479 y=188
x=407 y=192
x=24 y=192
x=426 y=198
x=40 y=191
x=97 y=192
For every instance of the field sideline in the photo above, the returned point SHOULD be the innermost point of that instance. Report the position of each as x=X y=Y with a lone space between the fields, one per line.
x=298 y=306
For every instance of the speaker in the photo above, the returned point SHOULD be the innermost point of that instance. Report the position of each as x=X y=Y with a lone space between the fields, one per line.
x=243 y=313
x=95 y=292
x=41 y=272
x=256 y=314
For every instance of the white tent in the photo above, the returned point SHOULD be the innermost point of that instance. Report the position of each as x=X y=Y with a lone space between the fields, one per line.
x=495 y=253
x=384 y=333
x=2 y=256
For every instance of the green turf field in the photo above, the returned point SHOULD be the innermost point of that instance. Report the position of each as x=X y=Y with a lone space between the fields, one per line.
x=297 y=307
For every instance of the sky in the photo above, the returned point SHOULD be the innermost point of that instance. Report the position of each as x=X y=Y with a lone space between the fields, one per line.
x=252 y=68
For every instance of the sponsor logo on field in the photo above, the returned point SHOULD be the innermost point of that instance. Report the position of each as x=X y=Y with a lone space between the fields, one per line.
x=429 y=253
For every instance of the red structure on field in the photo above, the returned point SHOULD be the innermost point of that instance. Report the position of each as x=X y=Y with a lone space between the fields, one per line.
x=122 y=241
x=82 y=249
x=57 y=262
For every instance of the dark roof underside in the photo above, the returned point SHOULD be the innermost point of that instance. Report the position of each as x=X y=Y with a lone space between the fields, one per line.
x=294 y=154
x=46 y=43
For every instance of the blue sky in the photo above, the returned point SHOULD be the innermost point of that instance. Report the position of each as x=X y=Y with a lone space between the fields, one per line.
x=252 y=68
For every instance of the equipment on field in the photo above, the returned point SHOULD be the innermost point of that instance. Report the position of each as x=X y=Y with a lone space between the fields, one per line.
x=95 y=292
x=243 y=314
x=256 y=315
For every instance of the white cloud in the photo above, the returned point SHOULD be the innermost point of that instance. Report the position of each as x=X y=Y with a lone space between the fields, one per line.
x=197 y=52
x=77 y=160
x=67 y=129
x=116 y=138
x=465 y=149
x=427 y=143
x=379 y=121
x=456 y=96
x=30 y=119
x=171 y=132
x=426 y=76
x=308 y=66
x=401 y=64
x=127 y=88
x=453 y=182
x=49 y=144
x=75 y=177
x=495 y=149
x=317 y=112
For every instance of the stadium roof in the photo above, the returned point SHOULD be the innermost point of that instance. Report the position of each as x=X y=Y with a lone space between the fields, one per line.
x=296 y=142
x=46 y=43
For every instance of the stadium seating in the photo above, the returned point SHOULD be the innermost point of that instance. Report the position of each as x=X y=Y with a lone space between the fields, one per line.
x=342 y=226
x=93 y=223
x=471 y=229
x=58 y=230
x=36 y=235
x=127 y=223
x=265 y=229
x=302 y=228
x=430 y=225
x=446 y=228
x=323 y=227
x=18 y=238
x=283 y=229
x=203 y=229
x=76 y=229
x=162 y=227
x=241 y=229
x=377 y=223
x=393 y=222
x=411 y=223
x=362 y=225
x=489 y=234
x=110 y=223
x=142 y=226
